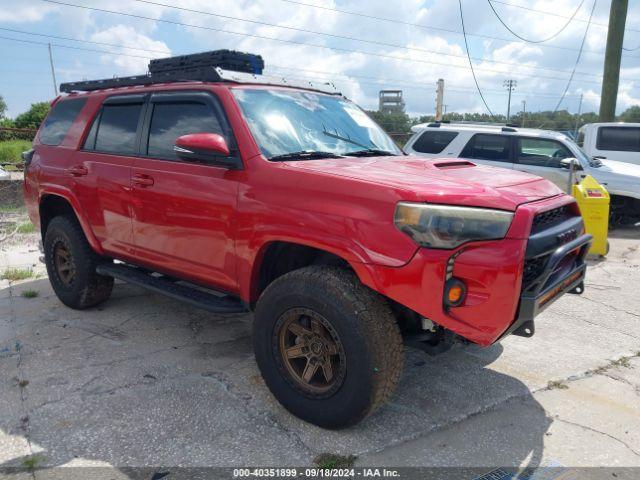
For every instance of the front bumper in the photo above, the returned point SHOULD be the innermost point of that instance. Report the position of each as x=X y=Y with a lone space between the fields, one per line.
x=557 y=278
x=503 y=294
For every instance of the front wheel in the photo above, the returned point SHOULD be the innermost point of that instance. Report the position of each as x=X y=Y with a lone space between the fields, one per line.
x=328 y=348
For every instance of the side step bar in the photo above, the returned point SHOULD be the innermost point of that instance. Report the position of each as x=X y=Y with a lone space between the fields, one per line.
x=168 y=286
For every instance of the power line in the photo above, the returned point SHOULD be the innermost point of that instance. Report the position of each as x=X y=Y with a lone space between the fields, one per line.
x=13 y=30
x=296 y=42
x=536 y=41
x=71 y=47
x=554 y=14
x=332 y=75
x=429 y=27
x=584 y=38
x=403 y=83
x=470 y=62
x=331 y=35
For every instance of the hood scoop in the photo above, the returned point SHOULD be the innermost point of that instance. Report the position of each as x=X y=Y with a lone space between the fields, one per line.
x=450 y=164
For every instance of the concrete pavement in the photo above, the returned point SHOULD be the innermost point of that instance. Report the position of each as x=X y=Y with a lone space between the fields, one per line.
x=144 y=380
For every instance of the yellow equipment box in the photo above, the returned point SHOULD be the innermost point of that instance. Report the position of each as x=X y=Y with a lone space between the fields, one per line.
x=593 y=200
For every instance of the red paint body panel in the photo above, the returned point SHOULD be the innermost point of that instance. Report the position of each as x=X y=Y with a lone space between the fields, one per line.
x=212 y=226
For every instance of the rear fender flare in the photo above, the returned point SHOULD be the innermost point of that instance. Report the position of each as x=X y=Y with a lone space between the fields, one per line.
x=71 y=199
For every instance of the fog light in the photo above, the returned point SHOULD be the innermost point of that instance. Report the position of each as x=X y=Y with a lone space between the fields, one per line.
x=454 y=292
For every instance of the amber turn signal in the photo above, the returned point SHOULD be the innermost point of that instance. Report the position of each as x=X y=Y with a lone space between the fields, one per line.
x=454 y=292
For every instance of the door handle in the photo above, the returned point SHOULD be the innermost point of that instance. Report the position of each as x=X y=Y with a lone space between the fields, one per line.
x=78 y=171
x=142 y=180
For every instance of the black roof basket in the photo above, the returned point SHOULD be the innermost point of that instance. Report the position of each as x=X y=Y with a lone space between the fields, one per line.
x=200 y=67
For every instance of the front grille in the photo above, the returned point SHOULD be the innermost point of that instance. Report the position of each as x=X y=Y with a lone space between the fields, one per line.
x=533 y=268
x=550 y=218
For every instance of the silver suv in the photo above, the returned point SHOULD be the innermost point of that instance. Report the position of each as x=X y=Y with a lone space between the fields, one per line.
x=531 y=150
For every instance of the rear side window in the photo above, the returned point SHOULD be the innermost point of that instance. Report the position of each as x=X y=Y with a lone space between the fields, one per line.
x=59 y=120
x=434 y=142
x=488 y=147
x=116 y=129
x=172 y=120
x=618 y=139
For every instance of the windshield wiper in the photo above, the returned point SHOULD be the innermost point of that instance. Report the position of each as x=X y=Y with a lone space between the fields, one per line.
x=370 y=152
x=304 y=155
x=337 y=136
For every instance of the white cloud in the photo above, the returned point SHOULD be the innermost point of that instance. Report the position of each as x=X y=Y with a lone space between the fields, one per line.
x=24 y=11
x=127 y=35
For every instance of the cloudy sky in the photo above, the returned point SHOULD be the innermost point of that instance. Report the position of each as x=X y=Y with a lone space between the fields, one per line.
x=362 y=46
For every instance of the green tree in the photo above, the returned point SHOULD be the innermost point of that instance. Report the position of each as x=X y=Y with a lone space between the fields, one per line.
x=3 y=108
x=33 y=117
x=631 y=114
x=392 y=122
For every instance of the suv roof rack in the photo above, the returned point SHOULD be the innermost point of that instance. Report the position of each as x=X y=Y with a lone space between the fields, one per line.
x=194 y=67
x=213 y=66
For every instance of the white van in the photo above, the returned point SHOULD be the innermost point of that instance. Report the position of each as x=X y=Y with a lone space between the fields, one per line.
x=612 y=141
x=540 y=152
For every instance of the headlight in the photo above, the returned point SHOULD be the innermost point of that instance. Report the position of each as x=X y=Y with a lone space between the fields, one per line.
x=443 y=226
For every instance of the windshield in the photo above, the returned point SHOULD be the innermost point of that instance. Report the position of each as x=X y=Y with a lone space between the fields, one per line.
x=288 y=123
x=581 y=155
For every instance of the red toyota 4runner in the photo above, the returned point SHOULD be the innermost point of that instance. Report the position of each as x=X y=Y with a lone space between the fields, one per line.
x=236 y=192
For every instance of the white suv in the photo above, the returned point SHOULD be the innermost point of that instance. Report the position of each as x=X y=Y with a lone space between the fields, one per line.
x=530 y=150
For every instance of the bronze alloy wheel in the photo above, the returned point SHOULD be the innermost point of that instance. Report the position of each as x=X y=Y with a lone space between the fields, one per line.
x=64 y=264
x=311 y=352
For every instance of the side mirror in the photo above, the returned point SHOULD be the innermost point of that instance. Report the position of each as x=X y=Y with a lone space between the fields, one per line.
x=571 y=164
x=209 y=148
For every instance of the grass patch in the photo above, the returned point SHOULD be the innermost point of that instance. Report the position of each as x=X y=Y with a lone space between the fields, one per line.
x=330 y=460
x=5 y=209
x=32 y=462
x=621 y=362
x=30 y=293
x=557 y=385
x=26 y=227
x=11 y=150
x=14 y=274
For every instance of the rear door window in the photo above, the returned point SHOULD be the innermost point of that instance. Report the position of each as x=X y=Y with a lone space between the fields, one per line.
x=618 y=139
x=117 y=128
x=484 y=146
x=433 y=141
x=59 y=120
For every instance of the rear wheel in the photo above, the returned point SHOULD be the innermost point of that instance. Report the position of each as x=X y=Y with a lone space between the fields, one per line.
x=71 y=265
x=328 y=348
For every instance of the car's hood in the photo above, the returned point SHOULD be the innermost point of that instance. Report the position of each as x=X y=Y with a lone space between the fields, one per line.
x=449 y=181
x=620 y=168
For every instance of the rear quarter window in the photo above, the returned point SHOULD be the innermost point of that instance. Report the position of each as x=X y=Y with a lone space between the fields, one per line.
x=618 y=139
x=59 y=120
x=433 y=142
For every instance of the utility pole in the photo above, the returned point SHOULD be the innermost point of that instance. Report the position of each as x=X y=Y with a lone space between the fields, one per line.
x=575 y=133
x=53 y=73
x=444 y=111
x=524 y=111
x=613 y=55
x=510 y=85
x=439 y=99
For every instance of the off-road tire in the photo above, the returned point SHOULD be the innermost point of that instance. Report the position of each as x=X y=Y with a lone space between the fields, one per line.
x=367 y=330
x=87 y=289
